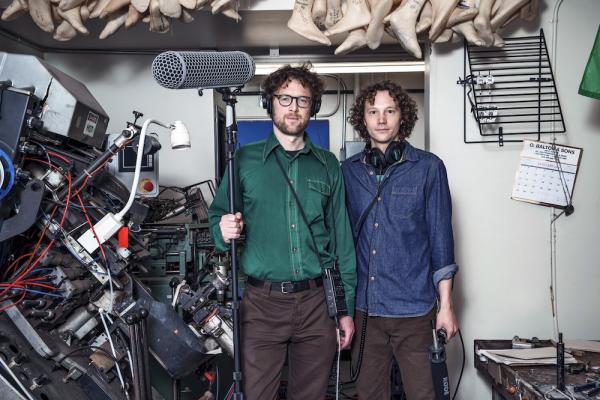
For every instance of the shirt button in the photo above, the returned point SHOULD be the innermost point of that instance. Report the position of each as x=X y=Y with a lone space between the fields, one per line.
x=370 y=172
x=297 y=272
x=379 y=198
x=376 y=225
x=294 y=249
x=291 y=181
x=293 y=226
x=372 y=278
x=374 y=251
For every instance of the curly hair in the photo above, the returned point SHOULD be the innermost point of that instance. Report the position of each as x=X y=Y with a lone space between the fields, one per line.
x=302 y=74
x=408 y=108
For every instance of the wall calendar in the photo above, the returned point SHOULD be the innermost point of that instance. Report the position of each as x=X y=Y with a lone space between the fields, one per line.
x=546 y=174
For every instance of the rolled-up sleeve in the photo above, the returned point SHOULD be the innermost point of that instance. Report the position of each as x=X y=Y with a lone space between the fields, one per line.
x=439 y=221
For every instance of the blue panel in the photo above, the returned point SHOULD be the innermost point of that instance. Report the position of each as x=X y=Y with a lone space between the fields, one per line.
x=253 y=131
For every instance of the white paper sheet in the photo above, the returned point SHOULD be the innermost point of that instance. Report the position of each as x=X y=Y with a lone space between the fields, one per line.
x=535 y=356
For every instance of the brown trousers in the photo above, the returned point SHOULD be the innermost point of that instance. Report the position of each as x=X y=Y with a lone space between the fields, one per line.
x=406 y=339
x=276 y=325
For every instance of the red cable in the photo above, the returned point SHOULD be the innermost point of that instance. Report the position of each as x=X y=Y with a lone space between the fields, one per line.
x=31 y=266
x=67 y=200
x=26 y=283
x=18 y=281
x=37 y=245
x=90 y=174
x=53 y=154
x=15 y=262
x=12 y=285
x=45 y=251
x=37 y=278
x=35 y=263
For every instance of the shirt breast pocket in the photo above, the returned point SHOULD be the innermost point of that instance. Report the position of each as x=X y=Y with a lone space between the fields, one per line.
x=318 y=196
x=404 y=200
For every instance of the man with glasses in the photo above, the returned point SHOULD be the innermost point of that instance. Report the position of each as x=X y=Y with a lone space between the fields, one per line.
x=283 y=311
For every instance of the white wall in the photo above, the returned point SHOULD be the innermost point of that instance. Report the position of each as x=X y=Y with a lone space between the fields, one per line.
x=123 y=83
x=503 y=246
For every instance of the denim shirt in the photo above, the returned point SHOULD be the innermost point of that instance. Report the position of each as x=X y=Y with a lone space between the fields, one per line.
x=406 y=246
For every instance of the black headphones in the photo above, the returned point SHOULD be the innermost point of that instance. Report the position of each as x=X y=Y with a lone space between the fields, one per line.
x=267 y=104
x=380 y=161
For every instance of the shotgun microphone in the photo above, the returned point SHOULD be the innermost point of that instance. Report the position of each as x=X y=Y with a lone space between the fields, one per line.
x=439 y=370
x=202 y=69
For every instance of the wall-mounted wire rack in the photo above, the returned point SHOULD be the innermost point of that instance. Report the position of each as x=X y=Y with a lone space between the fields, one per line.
x=511 y=91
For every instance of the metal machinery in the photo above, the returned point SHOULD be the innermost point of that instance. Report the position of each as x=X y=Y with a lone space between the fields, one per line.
x=140 y=317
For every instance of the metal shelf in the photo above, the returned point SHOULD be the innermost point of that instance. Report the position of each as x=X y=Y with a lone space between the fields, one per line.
x=511 y=91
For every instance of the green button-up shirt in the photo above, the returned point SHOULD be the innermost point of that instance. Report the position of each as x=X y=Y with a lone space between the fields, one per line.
x=278 y=246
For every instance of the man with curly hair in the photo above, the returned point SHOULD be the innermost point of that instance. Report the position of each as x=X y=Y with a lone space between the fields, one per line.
x=283 y=311
x=400 y=210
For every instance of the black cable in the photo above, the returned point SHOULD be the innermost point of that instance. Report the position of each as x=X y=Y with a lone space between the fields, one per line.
x=361 y=347
x=44 y=149
x=462 y=368
x=123 y=340
x=563 y=180
x=217 y=381
x=203 y=272
x=77 y=207
x=5 y=254
x=474 y=108
x=2 y=88
x=469 y=81
x=171 y=188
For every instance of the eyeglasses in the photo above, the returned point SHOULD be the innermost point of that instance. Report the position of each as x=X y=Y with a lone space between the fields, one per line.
x=285 y=100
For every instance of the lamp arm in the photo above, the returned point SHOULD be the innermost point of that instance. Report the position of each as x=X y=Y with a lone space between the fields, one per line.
x=138 y=167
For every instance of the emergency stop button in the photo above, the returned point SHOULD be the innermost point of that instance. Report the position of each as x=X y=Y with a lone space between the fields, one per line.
x=147 y=185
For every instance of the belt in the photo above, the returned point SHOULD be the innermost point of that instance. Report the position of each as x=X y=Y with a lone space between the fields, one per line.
x=286 y=286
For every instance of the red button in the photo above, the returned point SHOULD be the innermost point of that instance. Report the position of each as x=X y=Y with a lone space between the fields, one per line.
x=147 y=186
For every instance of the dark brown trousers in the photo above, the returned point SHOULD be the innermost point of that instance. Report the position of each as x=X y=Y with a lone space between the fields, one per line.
x=406 y=339
x=276 y=325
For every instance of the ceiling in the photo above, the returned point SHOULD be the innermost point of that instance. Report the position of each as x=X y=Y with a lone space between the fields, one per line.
x=257 y=33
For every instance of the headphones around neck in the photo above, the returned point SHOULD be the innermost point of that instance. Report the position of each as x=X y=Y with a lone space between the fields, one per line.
x=381 y=161
x=267 y=104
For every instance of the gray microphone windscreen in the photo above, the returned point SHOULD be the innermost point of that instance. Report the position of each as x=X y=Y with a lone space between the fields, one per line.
x=202 y=69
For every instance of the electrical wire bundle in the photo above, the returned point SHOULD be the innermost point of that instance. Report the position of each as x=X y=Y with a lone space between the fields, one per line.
x=80 y=299
x=32 y=279
x=22 y=276
x=17 y=279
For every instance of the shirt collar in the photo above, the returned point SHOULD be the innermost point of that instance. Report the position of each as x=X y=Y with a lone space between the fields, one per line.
x=272 y=143
x=409 y=153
